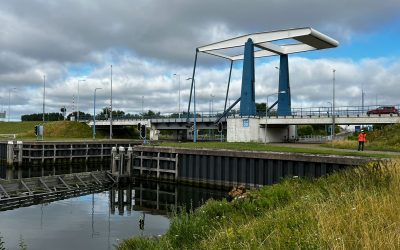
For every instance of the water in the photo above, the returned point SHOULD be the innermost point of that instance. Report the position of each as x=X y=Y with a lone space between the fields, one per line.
x=99 y=220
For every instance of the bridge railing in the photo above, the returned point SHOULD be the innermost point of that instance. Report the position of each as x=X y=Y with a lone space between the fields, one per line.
x=322 y=111
x=342 y=111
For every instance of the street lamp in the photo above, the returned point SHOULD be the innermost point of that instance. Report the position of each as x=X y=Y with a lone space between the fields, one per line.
x=194 y=110
x=77 y=103
x=333 y=124
x=94 y=113
x=44 y=95
x=179 y=95
x=333 y=104
x=142 y=105
x=266 y=112
x=111 y=108
x=212 y=103
x=9 y=98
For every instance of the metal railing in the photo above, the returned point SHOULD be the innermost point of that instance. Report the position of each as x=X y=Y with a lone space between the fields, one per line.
x=322 y=111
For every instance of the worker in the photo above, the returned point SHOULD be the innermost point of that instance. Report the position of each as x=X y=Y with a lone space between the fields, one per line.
x=362 y=137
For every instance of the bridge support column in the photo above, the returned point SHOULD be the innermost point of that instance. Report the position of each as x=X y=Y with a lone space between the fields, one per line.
x=247 y=101
x=284 y=102
x=253 y=130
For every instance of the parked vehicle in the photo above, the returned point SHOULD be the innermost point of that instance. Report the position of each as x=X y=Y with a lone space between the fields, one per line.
x=383 y=110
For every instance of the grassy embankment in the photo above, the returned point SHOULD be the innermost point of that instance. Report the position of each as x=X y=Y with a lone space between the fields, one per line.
x=52 y=130
x=353 y=209
x=273 y=148
x=387 y=139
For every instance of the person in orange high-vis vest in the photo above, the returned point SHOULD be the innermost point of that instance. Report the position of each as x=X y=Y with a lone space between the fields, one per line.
x=362 y=137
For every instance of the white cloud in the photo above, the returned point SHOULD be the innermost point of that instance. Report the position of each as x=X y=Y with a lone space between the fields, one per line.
x=148 y=41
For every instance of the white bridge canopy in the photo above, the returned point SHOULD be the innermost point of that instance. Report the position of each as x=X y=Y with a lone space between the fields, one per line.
x=279 y=42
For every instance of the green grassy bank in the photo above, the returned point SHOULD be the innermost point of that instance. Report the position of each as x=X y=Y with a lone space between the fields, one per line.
x=353 y=209
x=52 y=130
x=271 y=147
x=385 y=139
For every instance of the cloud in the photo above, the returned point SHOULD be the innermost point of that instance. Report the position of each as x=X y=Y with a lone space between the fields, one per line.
x=70 y=30
x=148 y=41
x=134 y=78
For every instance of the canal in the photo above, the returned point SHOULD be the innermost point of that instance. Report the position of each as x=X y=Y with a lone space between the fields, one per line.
x=99 y=220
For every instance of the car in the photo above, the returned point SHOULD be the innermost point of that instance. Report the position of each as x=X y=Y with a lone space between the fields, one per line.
x=383 y=110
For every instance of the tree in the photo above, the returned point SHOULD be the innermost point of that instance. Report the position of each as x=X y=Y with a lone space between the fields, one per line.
x=260 y=108
x=82 y=116
x=305 y=130
x=39 y=117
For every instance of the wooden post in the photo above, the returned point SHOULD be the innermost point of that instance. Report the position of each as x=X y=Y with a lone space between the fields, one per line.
x=158 y=167
x=141 y=163
x=42 y=154
x=129 y=161
x=10 y=153
x=113 y=160
x=19 y=145
x=54 y=152
x=176 y=166
x=121 y=160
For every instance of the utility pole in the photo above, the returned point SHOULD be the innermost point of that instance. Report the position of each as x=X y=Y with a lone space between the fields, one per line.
x=77 y=103
x=142 y=105
x=111 y=132
x=44 y=94
x=333 y=105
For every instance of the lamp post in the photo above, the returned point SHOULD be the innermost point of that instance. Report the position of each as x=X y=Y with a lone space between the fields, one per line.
x=9 y=100
x=142 y=105
x=333 y=104
x=44 y=95
x=94 y=113
x=332 y=118
x=111 y=109
x=266 y=112
x=179 y=95
x=194 y=110
x=212 y=103
x=77 y=103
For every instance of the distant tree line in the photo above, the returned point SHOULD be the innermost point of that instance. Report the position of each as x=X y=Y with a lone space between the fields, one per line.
x=118 y=114
x=39 y=117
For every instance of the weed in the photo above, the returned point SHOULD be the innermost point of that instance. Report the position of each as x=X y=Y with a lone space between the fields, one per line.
x=352 y=209
x=2 y=243
x=22 y=244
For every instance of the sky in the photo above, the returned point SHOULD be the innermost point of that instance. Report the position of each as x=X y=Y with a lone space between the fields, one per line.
x=151 y=47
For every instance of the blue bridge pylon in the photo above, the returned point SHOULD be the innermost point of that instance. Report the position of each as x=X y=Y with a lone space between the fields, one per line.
x=298 y=40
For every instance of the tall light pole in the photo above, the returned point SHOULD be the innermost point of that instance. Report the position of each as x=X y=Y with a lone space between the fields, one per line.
x=179 y=95
x=212 y=103
x=94 y=113
x=77 y=103
x=142 y=105
x=194 y=110
x=9 y=101
x=111 y=132
x=266 y=112
x=333 y=104
x=44 y=95
x=332 y=122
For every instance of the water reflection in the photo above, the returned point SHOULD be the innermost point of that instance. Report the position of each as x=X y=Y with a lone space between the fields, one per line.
x=99 y=220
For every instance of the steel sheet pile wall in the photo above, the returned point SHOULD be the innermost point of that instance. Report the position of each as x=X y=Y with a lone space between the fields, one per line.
x=229 y=167
x=222 y=170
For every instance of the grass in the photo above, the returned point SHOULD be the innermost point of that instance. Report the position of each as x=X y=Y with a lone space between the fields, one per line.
x=386 y=139
x=270 y=147
x=52 y=130
x=352 y=209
